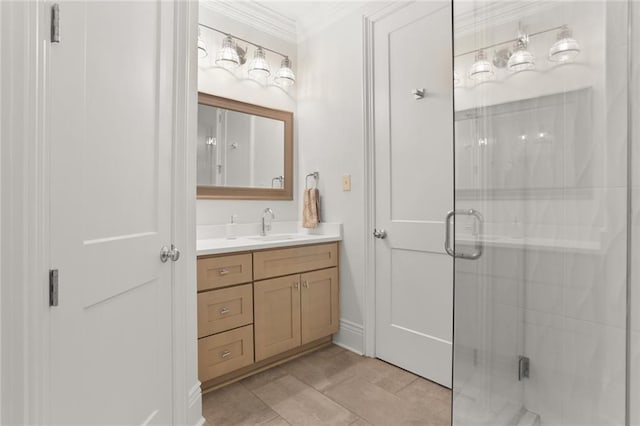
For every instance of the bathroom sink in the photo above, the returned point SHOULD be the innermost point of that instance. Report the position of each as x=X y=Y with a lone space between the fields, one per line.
x=276 y=237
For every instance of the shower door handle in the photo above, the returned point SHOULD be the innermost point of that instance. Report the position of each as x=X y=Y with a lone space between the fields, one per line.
x=478 y=246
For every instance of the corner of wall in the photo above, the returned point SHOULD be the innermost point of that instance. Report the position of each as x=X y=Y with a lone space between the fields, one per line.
x=350 y=337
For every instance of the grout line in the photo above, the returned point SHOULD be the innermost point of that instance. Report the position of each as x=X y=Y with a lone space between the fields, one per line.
x=406 y=386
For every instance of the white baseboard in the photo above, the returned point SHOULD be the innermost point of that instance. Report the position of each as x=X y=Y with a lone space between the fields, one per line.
x=350 y=336
x=195 y=406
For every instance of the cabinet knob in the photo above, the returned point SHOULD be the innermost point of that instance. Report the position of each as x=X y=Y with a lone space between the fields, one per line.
x=296 y=285
x=224 y=311
x=305 y=284
x=224 y=271
x=225 y=354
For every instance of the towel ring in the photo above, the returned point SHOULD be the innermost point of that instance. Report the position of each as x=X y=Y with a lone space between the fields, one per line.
x=315 y=176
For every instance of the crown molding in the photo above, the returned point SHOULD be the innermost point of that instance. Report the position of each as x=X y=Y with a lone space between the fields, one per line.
x=256 y=15
x=495 y=13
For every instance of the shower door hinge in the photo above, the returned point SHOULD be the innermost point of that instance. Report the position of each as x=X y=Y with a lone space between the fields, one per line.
x=55 y=23
x=523 y=367
x=53 y=287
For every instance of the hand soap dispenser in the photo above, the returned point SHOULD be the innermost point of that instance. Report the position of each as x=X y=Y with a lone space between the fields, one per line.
x=232 y=228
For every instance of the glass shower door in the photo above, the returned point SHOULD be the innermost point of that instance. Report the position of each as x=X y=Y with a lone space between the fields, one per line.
x=541 y=151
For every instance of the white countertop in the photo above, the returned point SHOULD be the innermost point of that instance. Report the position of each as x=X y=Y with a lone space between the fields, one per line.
x=211 y=239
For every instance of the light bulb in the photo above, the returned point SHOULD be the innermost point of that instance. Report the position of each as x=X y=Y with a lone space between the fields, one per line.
x=565 y=49
x=202 y=48
x=259 y=67
x=457 y=79
x=481 y=70
x=521 y=59
x=227 y=57
x=285 y=76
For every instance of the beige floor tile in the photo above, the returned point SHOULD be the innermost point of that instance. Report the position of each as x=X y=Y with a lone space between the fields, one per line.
x=278 y=421
x=329 y=351
x=235 y=405
x=261 y=379
x=430 y=399
x=374 y=404
x=300 y=404
x=360 y=422
x=322 y=372
x=425 y=390
x=387 y=376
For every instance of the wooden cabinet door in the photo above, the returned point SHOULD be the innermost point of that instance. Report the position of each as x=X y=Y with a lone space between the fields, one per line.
x=277 y=315
x=319 y=304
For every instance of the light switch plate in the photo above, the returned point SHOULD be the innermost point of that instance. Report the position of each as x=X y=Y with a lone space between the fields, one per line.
x=346 y=182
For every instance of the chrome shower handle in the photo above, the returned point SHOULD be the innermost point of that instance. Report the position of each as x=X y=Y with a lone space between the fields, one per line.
x=479 y=245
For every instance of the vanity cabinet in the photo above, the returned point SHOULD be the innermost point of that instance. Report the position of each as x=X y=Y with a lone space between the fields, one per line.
x=295 y=310
x=259 y=308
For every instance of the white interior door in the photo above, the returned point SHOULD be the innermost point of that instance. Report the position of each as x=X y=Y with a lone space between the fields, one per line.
x=414 y=189
x=110 y=145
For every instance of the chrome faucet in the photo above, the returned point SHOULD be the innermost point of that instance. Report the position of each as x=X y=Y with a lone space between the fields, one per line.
x=266 y=226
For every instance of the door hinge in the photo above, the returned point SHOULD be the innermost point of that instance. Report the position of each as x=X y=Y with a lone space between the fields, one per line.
x=55 y=23
x=53 y=287
x=523 y=367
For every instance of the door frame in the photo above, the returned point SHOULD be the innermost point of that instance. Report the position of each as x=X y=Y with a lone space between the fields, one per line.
x=24 y=219
x=368 y=78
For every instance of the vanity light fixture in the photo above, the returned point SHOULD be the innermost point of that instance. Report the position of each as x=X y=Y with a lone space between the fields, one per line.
x=285 y=76
x=521 y=59
x=230 y=56
x=259 y=67
x=566 y=48
x=481 y=70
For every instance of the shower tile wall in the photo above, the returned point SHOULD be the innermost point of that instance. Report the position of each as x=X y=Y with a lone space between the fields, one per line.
x=556 y=292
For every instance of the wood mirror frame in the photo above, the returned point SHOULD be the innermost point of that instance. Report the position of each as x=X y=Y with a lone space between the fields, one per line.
x=245 y=193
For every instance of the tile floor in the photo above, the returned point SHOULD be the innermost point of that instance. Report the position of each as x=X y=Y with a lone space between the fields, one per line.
x=331 y=386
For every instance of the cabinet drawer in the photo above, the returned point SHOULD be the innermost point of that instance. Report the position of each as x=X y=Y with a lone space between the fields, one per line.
x=275 y=263
x=225 y=352
x=222 y=310
x=222 y=271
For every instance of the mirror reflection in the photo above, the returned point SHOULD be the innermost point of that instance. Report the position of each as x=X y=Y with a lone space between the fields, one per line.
x=237 y=149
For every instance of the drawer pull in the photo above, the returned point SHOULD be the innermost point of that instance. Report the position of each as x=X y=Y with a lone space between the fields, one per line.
x=224 y=311
x=225 y=354
x=224 y=271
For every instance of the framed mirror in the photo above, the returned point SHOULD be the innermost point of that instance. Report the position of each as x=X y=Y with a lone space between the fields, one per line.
x=245 y=151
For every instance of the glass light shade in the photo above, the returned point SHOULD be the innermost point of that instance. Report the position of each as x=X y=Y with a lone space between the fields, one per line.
x=259 y=67
x=565 y=49
x=481 y=70
x=521 y=59
x=227 y=57
x=202 y=48
x=285 y=76
x=457 y=79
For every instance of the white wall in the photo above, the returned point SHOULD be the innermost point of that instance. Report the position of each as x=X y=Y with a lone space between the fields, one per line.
x=220 y=82
x=330 y=131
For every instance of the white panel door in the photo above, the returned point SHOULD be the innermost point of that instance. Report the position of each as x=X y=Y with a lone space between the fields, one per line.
x=110 y=98
x=414 y=189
